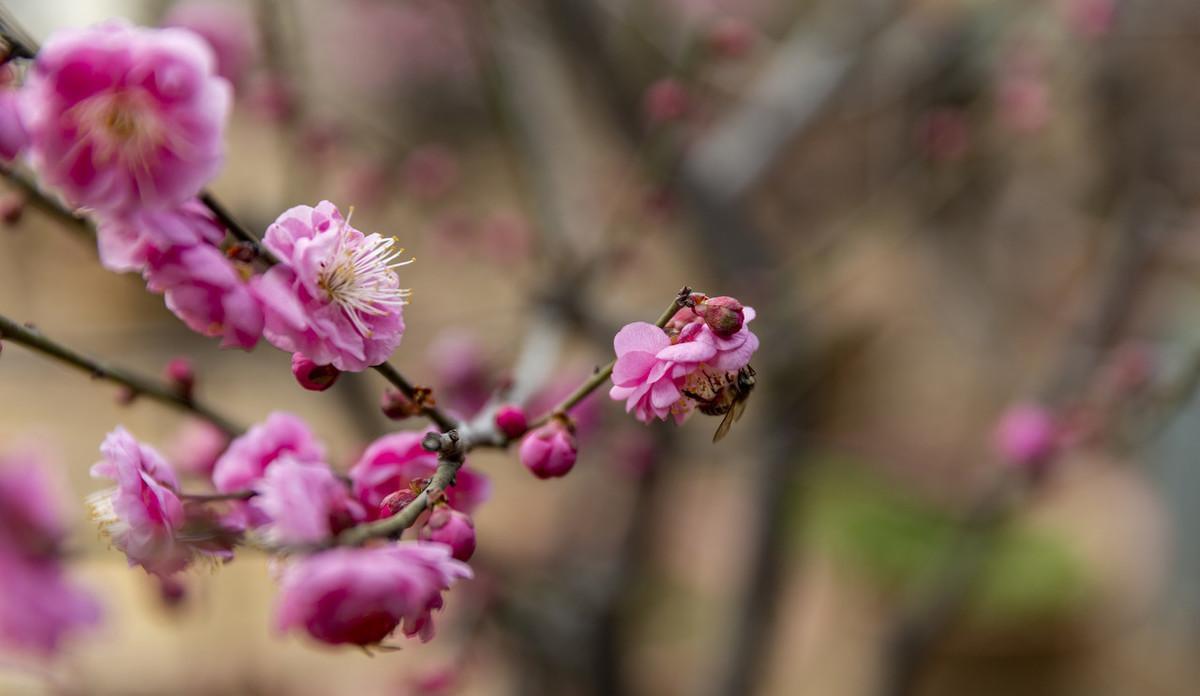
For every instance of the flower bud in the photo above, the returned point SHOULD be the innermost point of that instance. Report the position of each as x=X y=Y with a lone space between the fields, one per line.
x=452 y=528
x=312 y=376
x=396 y=501
x=397 y=406
x=12 y=206
x=730 y=37
x=722 y=314
x=1027 y=435
x=666 y=101
x=182 y=376
x=511 y=421
x=549 y=451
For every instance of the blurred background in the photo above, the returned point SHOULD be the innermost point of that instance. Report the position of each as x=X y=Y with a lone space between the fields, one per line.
x=939 y=208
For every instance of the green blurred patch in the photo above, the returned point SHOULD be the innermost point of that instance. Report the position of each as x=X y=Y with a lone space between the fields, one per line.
x=897 y=541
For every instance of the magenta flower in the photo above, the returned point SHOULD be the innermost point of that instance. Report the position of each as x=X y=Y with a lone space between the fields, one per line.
x=196 y=446
x=127 y=240
x=360 y=596
x=305 y=502
x=248 y=456
x=549 y=451
x=511 y=421
x=31 y=517
x=335 y=298
x=39 y=607
x=394 y=462
x=1027 y=435
x=731 y=352
x=122 y=117
x=143 y=513
x=13 y=136
x=452 y=528
x=206 y=292
x=229 y=30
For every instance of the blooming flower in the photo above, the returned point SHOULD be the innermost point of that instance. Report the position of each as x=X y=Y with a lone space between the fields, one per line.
x=304 y=502
x=249 y=456
x=228 y=28
x=360 y=596
x=122 y=117
x=142 y=514
x=205 y=291
x=395 y=461
x=452 y=528
x=126 y=240
x=335 y=298
x=549 y=451
x=39 y=607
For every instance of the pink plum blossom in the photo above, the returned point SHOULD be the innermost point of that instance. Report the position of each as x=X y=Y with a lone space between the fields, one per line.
x=31 y=516
x=452 y=528
x=127 y=240
x=360 y=596
x=227 y=27
x=305 y=502
x=249 y=456
x=39 y=607
x=1027 y=435
x=393 y=462
x=550 y=451
x=122 y=117
x=196 y=446
x=666 y=101
x=13 y=136
x=143 y=514
x=336 y=297
x=203 y=288
x=460 y=370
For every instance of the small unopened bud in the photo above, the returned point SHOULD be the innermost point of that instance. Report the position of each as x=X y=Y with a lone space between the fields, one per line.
x=730 y=37
x=452 y=528
x=397 y=406
x=511 y=421
x=1027 y=436
x=724 y=315
x=549 y=451
x=666 y=101
x=396 y=501
x=312 y=376
x=12 y=206
x=182 y=376
x=172 y=592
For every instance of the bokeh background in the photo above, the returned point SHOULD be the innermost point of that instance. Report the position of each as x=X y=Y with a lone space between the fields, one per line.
x=939 y=208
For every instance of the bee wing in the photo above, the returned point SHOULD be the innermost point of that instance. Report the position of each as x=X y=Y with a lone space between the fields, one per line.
x=739 y=407
x=726 y=424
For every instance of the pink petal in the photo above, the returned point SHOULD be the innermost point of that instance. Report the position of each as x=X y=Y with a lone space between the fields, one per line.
x=640 y=336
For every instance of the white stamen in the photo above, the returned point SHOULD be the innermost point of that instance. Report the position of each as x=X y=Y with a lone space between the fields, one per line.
x=361 y=279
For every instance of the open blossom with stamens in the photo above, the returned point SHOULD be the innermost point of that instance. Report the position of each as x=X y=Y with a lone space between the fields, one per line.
x=127 y=240
x=122 y=117
x=335 y=298
x=248 y=457
x=395 y=461
x=304 y=502
x=360 y=596
x=203 y=288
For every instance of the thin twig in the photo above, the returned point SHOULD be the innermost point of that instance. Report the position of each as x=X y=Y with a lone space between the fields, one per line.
x=237 y=229
x=218 y=497
x=138 y=385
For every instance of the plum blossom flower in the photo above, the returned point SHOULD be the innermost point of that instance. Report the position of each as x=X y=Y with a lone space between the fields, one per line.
x=227 y=27
x=304 y=502
x=249 y=456
x=312 y=376
x=39 y=607
x=452 y=528
x=13 y=136
x=1027 y=435
x=202 y=288
x=122 y=117
x=126 y=240
x=395 y=461
x=336 y=297
x=143 y=513
x=550 y=451
x=360 y=596
x=31 y=517
x=196 y=446
x=655 y=367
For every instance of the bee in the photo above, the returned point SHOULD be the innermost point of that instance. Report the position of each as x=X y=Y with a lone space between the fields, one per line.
x=722 y=395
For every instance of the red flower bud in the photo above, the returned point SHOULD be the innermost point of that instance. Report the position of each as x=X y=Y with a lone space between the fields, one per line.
x=396 y=501
x=397 y=406
x=312 y=376
x=452 y=528
x=722 y=314
x=182 y=376
x=511 y=421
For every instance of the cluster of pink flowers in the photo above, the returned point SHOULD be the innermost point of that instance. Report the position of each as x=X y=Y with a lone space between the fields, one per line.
x=657 y=368
x=39 y=606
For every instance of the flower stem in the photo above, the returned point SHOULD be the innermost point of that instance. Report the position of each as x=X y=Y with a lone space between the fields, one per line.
x=138 y=385
x=603 y=373
x=217 y=497
x=237 y=229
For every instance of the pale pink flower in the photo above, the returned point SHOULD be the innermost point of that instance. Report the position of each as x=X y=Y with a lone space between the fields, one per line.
x=229 y=29
x=550 y=451
x=452 y=528
x=360 y=596
x=39 y=607
x=196 y=446
x=122 y=117
x=13 y=136
x=1027 y=435
x=143 y=514
x=203 y=288
x=304 y=502
x=395 y=461
x=249 y=456
x=336 y=297
x=729 y=353
x=126 y=240
x=31 y=515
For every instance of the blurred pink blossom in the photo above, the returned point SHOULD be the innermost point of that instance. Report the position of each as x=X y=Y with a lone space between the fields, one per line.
x=304 y=502
x=1090 y=18
x=394 y=461
x=31 y=515
x=196 y=446
x=430 y=172
x=942 y=134
x=229 y=29
x=122 y=117
x=1027 y=435
x=452 y=528
x=360 y=596
x=335 y=297
x=203 y=288
x=666 y=101
x=511 y=421
x=249 y=456
x=13 y=136
x=127 y=240
x=550 y=451
x=39 y=608
x=460 y=371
